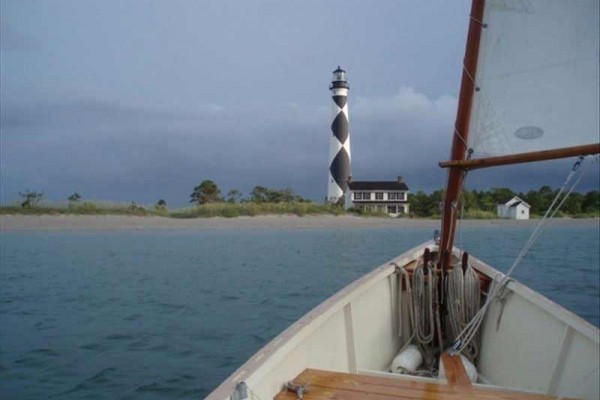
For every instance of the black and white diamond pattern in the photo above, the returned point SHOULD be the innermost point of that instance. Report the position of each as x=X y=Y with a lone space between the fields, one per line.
x=339 y=155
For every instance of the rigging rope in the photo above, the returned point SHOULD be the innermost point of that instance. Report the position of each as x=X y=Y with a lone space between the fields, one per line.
x=468 y=333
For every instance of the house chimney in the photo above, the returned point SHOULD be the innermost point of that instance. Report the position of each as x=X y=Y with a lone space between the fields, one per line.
x=400 y=179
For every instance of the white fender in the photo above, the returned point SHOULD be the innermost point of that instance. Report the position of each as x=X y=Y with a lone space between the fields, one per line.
x=408 y=360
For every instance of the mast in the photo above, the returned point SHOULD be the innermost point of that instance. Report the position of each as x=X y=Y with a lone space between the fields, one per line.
x=461 y=133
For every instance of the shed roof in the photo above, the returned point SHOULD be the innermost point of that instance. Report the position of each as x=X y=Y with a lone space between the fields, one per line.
x=515 y=201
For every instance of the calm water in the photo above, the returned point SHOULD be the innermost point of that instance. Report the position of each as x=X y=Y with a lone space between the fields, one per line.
x=170 y=314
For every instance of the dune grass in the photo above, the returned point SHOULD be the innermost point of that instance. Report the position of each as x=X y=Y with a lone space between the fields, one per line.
x=232 y=210
x=227 y=210
x=82 y=208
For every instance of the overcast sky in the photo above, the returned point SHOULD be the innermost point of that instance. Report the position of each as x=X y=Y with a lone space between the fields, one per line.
x=141 y=100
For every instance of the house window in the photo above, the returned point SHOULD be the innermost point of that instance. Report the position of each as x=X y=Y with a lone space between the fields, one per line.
x=379 y=196
x=391 y=209
x=391 y=196
x=358 y=196
x=366 y=196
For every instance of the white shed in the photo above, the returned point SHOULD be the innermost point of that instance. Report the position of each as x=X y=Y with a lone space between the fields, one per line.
x=515 y=208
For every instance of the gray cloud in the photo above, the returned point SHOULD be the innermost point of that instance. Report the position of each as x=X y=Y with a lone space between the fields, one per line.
x=123 y=152
x=11 y=39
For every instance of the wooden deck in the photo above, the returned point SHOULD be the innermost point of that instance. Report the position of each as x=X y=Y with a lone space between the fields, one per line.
x=327 y=385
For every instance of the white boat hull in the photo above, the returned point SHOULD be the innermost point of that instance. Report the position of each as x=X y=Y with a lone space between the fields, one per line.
x=537 y=346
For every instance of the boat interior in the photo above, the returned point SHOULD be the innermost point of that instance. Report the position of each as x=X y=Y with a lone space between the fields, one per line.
x=528 y=347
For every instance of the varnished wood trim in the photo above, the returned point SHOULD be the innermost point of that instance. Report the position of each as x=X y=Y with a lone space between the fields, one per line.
x=521 y=158
x=336 y=385
x=455 y=370
x=461 y=131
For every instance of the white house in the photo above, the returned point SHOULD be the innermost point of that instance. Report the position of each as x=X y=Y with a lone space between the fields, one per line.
x=378 y=196
x=515 y=208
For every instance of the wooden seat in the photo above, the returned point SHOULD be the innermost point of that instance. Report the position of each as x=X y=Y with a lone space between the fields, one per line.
x=328 y=385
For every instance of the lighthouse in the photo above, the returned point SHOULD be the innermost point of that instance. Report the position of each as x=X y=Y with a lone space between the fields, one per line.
x=339 y=147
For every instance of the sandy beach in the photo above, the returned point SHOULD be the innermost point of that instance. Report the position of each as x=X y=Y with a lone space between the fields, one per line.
x=9 y=223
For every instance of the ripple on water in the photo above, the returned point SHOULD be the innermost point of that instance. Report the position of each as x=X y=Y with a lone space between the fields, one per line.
x=45 y=352
x=106 y=377
x=30 y=362
x=119 y=337
x=133 y=317
x=157 y=388
x=140 y=343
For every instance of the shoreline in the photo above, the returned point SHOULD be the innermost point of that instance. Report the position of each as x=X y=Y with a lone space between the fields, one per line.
x=24 y=223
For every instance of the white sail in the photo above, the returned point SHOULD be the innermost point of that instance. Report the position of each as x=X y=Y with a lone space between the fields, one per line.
x=537 y=76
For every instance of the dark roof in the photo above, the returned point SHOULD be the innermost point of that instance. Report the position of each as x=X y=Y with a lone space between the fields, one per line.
x=515 y=204
x=377 y=185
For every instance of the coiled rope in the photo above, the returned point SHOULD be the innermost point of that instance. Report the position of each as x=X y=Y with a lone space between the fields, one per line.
x=404 y=280
x=422 y=299
x=421 y=294
x=463 y=301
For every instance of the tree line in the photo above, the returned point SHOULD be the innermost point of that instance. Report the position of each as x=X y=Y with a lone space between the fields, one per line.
x=205 y=192
x=473 y=201
x=208 y=192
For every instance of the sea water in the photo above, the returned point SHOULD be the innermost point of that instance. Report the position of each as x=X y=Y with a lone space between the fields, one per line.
x=170 y=314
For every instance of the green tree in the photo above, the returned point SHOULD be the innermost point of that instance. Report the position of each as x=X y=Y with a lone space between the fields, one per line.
x=161 y=205
x=233 y=196
x=486 y=201
x=501 y=195
x=419 y=204
x=591 y=202
x=30 y=199
x=534 y=201
x=545 y=195
x=206 y=192
x=573 y=204
x=469 y=200
x=74 y=198
x=435 y=202
x=261 y=194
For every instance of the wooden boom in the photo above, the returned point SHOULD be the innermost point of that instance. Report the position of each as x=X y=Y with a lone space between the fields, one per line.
x=523 y=157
